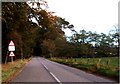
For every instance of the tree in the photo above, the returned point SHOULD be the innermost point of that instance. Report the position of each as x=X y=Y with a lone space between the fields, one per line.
x=20 y=28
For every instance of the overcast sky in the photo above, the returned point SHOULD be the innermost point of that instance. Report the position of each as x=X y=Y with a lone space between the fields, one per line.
x=91 y=15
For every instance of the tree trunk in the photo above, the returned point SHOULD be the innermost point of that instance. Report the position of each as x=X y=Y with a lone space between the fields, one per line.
x=21 y=49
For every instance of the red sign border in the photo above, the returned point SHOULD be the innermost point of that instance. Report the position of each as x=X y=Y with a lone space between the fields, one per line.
x=13 y=53
x=10 y=42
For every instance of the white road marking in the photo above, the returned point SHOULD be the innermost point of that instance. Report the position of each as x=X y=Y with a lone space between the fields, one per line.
x=45 y=67
x=55 y=78
x=52 y=75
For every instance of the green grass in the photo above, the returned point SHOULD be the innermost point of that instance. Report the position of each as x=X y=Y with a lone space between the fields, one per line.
x=107 y=66
x=9 y=69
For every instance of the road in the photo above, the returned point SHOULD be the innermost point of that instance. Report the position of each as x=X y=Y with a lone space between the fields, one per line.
x=42 y=70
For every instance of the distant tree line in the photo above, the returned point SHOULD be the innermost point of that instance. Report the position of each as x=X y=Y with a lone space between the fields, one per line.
x=91 y=44
x=46 y=37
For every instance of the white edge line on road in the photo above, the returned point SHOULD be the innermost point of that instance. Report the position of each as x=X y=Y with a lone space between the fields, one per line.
x=52 y=75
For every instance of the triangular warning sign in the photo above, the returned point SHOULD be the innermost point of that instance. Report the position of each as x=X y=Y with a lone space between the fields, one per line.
x=12 y=54
x=11 y=43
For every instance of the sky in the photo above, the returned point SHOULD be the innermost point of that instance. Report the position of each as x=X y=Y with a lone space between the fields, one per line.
x=91 y=15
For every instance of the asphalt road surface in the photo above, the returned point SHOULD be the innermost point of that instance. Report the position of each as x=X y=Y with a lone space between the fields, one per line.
x=42 y=70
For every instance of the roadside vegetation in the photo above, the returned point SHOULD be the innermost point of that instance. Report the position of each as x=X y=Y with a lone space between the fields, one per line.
x=45 y=37
x=10 y=69
x=107 y=66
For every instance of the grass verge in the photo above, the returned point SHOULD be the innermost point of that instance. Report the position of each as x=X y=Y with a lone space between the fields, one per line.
x=9 y=70
x=107 y=67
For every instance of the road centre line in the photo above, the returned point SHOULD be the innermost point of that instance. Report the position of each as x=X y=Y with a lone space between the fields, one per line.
x=56 y=78
x=45 y=67
x=52 y=74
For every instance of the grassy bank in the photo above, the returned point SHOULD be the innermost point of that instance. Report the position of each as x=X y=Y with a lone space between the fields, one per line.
x=108 y=67
x=9 y=69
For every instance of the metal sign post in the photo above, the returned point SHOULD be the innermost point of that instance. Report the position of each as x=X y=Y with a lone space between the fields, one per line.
x=12 y=59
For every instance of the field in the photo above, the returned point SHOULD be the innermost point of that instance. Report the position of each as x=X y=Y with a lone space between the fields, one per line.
x=108 y=67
